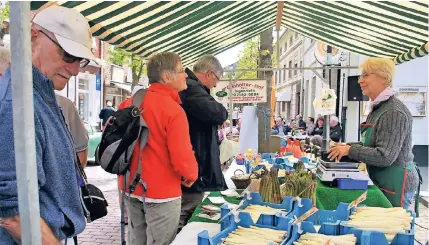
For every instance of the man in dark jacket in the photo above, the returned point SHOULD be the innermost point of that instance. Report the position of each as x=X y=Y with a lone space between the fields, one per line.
x=336 y=130
x=105 y=113
x=204 y=114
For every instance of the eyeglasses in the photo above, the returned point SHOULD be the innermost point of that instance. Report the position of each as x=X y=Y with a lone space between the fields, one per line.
x=217 y=78
x=68 y=57
x=365 y=75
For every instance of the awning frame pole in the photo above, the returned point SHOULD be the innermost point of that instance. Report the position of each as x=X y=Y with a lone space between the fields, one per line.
x=23 y=123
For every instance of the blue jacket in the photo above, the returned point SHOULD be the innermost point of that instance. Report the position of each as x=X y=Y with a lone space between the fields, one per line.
x=59 y=196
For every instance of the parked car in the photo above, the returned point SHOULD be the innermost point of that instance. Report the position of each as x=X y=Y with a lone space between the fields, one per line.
x=94 y=140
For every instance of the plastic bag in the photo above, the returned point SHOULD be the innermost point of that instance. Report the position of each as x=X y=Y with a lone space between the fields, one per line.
x=325 y=102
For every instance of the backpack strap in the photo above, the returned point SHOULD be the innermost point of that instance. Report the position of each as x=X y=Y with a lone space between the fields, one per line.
x=143 y=136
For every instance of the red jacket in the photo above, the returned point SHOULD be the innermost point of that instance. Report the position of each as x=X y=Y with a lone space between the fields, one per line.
x=168 y=155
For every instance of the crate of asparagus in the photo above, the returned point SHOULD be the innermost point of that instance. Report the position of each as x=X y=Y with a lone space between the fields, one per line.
x=305 y=233
x=380 y=226
x=245 y=232
x=261 y=212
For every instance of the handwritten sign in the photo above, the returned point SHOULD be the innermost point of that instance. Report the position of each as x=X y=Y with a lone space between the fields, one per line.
x=358 y=200
x=306 y=215
x=243 y=91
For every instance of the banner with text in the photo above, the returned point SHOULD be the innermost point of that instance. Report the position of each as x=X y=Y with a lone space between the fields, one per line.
x=244 y=91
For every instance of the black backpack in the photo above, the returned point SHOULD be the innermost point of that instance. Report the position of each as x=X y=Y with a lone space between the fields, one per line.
x=120 y=136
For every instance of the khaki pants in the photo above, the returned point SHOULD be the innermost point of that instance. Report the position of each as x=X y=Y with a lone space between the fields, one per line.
x=190 y=201
x=152 y=223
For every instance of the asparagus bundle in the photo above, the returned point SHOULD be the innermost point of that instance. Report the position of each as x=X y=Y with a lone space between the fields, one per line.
x=319 y=239
x=255 y=211
x=270 y=187
x=299 y=183
x=387 y=220
x=255 y=236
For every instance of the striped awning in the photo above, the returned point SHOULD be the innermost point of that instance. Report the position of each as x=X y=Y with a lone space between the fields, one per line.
x=189 y=28
x=396 y=29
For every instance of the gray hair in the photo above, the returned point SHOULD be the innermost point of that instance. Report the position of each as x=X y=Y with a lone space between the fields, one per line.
x=160 y=63
x=208 y=63
x=334 y=118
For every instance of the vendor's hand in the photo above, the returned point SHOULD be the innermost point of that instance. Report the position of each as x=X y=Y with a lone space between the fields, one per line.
x=339 y=151
x=187 y=183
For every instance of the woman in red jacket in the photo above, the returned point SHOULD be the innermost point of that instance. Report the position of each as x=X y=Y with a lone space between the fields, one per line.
x=167 y=160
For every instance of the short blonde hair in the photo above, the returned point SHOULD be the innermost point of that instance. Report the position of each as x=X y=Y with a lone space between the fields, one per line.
x=4 y=59
x=384 y=67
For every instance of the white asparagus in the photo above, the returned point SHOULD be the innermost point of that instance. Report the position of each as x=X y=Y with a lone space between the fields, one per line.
x=320 y=239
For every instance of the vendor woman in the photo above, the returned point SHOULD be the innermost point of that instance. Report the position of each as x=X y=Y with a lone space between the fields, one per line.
x=386 y=145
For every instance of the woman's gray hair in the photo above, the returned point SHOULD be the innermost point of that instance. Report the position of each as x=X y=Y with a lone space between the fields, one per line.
x=208 y=63
x=160 y=63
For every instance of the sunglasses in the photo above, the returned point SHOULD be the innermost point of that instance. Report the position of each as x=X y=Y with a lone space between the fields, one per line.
x=68 y=57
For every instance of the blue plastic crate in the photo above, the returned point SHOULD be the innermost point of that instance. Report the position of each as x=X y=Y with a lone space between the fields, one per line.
x=307 y=227
x=283 y=223
x=378 y=238
x=256 y=199
x=341 y=213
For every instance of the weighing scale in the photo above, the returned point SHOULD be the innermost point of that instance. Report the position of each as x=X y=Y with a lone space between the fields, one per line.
x=329 y=172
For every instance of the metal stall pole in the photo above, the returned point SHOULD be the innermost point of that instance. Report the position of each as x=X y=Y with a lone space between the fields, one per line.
x=231 y=108
x=23 y=123
x=326 y=125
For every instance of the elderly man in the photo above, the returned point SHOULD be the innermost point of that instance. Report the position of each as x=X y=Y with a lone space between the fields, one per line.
x=336 y=130
x=204 y=114
x=61 y=43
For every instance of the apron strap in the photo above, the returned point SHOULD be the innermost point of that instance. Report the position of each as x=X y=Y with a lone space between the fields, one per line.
x=417 y=197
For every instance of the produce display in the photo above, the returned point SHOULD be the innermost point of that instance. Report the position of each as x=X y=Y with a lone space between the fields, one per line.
x=299 y=183
x=319 y=239
x=270 y=187
x=255 y=236
x=255 y=211
x=387 y=220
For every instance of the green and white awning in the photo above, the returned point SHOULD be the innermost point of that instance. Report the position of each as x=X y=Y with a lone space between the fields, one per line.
x=396 y=29
x=189 y=28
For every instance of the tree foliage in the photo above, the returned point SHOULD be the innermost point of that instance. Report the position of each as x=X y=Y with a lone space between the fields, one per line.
x=121 y=57
x=249 y=57
x=4 y=11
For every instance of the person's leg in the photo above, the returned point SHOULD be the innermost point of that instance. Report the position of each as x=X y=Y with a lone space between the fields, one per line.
x=408 y=199
x=162 y=221
x=189 y=202
x=136 y=222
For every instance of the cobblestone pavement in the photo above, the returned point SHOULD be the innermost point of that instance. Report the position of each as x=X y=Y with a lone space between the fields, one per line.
x=106 y=231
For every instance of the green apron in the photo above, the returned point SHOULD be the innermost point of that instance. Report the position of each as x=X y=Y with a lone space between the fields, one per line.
x=391 y=180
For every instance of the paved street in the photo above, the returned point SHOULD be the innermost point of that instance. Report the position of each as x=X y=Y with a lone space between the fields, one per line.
x=107 y=230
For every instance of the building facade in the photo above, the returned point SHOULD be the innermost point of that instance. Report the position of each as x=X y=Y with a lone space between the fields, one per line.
x=289 y=82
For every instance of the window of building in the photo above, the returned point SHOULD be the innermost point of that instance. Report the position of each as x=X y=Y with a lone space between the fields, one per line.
x=284 y=73
x=281 y=50
x=283 y=106
x=295 y=71
x=290 y=71
x=285 y=46
x=291 y=41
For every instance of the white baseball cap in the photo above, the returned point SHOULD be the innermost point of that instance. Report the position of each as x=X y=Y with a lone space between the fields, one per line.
x=70 y=28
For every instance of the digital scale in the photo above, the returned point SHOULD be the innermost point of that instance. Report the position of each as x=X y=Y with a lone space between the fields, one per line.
x=329 y=172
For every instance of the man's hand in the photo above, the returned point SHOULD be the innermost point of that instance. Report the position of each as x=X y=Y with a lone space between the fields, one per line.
x=187 y=183
x=13 y=226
